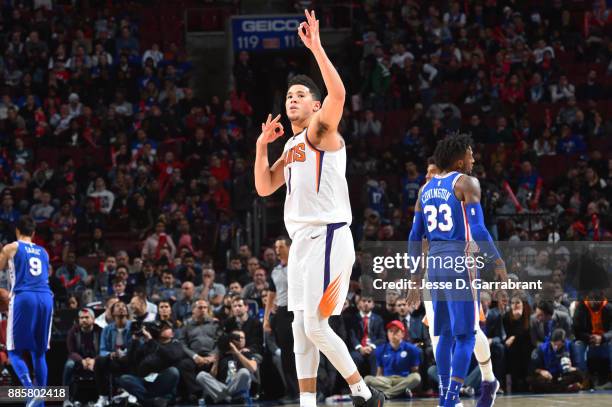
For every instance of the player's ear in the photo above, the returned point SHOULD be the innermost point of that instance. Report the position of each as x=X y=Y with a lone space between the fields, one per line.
x=317 y=106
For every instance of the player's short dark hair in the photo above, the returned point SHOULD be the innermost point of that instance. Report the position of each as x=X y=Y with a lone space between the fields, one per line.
x=546 y=307
x=308 y=82
x=451 y=149
x=26 y=226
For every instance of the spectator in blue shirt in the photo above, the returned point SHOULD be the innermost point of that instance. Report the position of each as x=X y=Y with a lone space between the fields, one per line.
x=411 y=182
x=376 y=196
x=569 y=143
x=8 y=213
x=551 y=369
x=529 y=177
x=169 y=289
x=397 y=364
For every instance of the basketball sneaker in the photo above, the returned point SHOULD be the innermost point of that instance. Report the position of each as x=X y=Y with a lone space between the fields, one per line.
x=377 y=399
x=488 y=392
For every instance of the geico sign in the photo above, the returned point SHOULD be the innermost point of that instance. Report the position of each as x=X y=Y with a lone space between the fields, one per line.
x=253 y=26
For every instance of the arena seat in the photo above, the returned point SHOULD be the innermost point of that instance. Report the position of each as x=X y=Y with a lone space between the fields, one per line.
x=553 y=166
x=90 y=263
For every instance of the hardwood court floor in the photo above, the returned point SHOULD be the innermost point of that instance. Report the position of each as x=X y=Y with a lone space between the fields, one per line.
x=583 y=399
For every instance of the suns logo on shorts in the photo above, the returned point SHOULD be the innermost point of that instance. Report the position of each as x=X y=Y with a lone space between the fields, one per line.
x=296 y=153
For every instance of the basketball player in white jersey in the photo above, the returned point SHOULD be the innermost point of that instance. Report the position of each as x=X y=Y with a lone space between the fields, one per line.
x=482 y=350
x=317 y=218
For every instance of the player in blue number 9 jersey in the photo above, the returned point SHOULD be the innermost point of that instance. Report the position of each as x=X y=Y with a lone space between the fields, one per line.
x=31 y=303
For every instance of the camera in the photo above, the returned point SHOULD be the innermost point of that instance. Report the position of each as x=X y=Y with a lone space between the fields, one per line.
x=136 y=329
x=154 y=328
x=566 y=364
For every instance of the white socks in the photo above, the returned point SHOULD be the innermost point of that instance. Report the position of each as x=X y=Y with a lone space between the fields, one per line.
x=360 y=389
x=308 y=399
x=486 y=370
x=483 y=356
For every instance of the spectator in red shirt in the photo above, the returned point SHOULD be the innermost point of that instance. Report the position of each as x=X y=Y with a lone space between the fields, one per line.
x=219 y=168
x=220 y=196
x=166 y=167
x=159 y=243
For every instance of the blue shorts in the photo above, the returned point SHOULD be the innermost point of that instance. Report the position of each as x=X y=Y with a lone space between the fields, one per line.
x=455 y=302
x=29 y=321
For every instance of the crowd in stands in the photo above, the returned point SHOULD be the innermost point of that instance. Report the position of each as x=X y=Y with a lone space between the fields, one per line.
x=139 y=186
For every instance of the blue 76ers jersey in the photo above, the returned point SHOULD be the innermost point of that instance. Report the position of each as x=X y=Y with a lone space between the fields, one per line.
x=443 y=213
x=29 y=268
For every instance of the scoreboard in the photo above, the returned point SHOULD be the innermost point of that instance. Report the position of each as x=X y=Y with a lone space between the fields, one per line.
x=266 y=33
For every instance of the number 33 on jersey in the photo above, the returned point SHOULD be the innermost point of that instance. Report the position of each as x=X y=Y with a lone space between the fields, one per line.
x=443 y=213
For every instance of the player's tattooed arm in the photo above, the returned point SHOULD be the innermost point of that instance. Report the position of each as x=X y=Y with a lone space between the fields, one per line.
x=6 y=254
x=324 y=124
x=469 y=189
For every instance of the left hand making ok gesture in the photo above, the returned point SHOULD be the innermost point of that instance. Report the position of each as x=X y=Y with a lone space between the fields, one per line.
x=309 y=31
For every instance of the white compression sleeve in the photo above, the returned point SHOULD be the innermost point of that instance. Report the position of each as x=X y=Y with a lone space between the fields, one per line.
x=306 y=354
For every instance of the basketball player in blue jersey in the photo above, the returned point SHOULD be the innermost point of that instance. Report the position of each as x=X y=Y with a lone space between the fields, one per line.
x=482 y=350
x=31 y=304
x=317 y=217
x=449 y=215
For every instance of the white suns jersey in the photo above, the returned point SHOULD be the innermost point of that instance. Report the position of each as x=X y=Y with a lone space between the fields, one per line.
x=317 y=192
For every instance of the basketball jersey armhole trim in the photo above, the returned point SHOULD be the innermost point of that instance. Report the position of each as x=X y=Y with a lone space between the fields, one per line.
x=456 y=179
x=319 y=154
x=309 y=143
x=312 y=146
x=459 y=175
